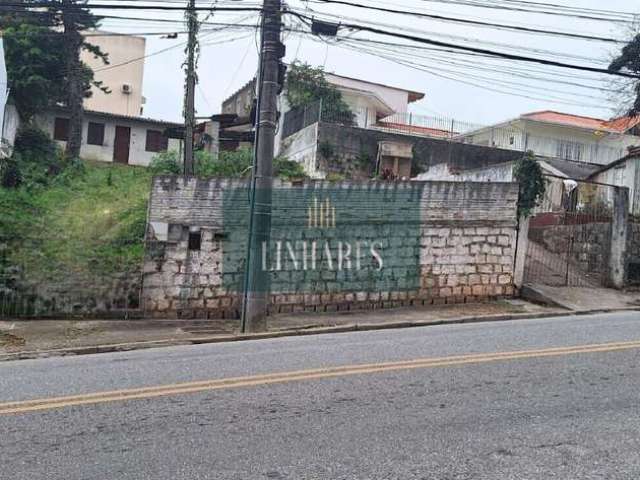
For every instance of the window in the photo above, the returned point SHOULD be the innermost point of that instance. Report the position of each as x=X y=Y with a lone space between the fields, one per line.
x=568 y=150
x=195 y=241
x=95 y=133
x=156 y=141
x=61 y=129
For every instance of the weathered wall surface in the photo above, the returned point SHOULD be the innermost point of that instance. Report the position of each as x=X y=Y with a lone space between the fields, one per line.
x=633 y=252
x=502 y=172
x=302 y=147
x=353 y=151
x=378 y=245
x=88 y=296
x=587 y=246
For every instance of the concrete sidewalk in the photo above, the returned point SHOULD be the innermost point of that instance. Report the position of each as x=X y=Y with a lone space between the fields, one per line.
x=35 y=338
x=583 y=298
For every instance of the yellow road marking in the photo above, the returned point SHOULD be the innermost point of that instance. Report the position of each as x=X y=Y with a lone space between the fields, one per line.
x=315 y=374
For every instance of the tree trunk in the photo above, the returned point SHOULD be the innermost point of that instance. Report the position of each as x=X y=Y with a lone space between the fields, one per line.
x=73 y=43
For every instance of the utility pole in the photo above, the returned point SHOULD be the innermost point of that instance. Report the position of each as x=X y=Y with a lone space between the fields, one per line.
x=73 y=45
x=257 y=285
x=189 y=102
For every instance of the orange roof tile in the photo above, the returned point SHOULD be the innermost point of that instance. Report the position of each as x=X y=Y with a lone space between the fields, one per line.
x=432 y=132
x=616 y=125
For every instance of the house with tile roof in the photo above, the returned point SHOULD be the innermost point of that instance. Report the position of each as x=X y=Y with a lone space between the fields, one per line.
x=561 y=135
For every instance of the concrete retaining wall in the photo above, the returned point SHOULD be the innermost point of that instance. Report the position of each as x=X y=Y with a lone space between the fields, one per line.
x=382 y=245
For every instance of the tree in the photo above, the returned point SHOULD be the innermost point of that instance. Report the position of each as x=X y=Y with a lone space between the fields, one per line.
x=629 y=61
x=75 y=17
x=34 y=56
x=307 y=85
x=528 y=173
x=43 y=42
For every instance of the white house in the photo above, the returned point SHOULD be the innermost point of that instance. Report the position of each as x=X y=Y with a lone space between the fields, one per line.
x=112 y=138
x=372 y=101
x=561 y=135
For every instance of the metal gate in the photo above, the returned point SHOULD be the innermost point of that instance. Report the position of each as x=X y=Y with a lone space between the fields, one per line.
x=570 y=235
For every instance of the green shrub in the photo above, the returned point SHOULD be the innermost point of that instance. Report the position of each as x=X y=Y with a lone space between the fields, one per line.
x=166 y=163
x=35 y=161
x=228 y=164
x=236 y=164
x=528 y=173
x=32 y=142
x=335 y=177
x=10 y=175
x=288 y=169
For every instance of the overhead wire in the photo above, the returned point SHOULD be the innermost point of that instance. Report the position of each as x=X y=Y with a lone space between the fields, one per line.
x=495 y=53
x=467 y=21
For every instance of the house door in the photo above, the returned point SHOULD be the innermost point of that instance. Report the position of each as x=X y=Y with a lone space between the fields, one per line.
x=121 y=144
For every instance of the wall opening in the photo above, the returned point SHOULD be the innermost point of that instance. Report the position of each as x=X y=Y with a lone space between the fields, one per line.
x=195 y=241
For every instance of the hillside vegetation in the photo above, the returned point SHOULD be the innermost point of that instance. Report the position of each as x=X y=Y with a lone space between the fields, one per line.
x=65 y=220
x=89 y=219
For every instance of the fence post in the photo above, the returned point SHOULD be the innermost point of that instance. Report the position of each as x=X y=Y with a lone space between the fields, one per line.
x=619 y=233
x=521 y=251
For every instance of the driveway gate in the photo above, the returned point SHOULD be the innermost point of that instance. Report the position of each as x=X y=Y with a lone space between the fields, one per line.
x=570 y=235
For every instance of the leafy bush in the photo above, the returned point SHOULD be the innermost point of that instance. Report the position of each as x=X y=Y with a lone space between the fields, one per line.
x=10 y=175
x=288 y=169
x=335 y=177
x=228 y=164
x=35 y=161
x=166 y=163
x=307 y=85
x=528 y=173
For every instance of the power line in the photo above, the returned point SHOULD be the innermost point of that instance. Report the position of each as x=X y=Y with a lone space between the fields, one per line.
x=142 y=7
x=473 y=22
x=493 y=53
x=474 y=41
x=483 y=86
x=444 y=56
x=596 y=16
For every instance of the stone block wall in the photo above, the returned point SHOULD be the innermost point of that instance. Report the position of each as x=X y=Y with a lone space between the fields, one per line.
x=467 y=264
x=381 y=245
x=86 y=296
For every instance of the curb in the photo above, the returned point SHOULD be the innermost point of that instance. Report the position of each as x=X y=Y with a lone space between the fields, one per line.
x=127 y=347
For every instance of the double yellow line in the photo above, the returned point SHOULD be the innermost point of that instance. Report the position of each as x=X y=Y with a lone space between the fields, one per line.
x=315 y=374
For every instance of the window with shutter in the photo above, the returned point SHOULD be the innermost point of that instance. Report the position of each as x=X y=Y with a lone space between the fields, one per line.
x=95 y=133
x=61 y=129
x=156 y=141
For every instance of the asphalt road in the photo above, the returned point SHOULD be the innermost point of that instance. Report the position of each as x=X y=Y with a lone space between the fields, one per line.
x=433 y=403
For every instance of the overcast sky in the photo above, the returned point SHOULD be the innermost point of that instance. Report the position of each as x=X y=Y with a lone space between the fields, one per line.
x=225 y=67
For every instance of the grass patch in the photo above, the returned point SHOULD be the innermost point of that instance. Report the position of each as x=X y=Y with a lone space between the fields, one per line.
x=89 y=220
